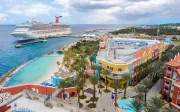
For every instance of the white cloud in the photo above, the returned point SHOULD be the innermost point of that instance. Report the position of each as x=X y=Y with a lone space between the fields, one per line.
x=3 y=17
x=123 y=10
x=32 y=9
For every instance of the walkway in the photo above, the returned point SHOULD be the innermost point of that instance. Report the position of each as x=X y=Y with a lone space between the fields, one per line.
x=154 y=91
x=105 y=103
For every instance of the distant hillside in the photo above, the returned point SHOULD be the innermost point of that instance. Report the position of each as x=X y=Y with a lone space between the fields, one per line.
x=165 y=25
x=148 y=31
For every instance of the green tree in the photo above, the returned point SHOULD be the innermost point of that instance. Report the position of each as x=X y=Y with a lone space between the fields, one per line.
x=170 y=110
x=150 y=109
x=156 y=102
x=135 y=106
x=99 y=68
x=147 y=84
x=125 y=78
x=106 y=72
x=94 y=69
x=139 y=90
x=94 y=82
x=62 y=85
x=80 y=85
x=58 y=64
x=115 y=84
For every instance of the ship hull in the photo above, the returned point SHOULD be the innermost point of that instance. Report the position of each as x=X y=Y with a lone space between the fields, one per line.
x=31 y=36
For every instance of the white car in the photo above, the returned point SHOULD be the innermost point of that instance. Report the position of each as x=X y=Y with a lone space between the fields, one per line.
x=118 y=91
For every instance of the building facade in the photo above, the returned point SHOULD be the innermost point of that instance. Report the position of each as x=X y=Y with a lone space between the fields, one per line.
x=122 y=55
x=171 y=83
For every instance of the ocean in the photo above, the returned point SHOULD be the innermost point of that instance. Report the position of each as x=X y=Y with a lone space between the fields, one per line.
x=11 y=57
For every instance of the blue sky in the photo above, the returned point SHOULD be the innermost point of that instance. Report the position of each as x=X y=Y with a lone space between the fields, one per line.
x=91 y=11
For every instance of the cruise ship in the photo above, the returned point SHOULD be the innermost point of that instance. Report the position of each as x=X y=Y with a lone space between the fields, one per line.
x=36 y=30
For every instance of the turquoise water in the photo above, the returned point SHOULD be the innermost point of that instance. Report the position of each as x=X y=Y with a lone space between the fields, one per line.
x=123 y=105
x=33 y=71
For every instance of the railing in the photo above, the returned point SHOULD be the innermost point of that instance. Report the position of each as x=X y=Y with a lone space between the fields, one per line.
x=166 y=90
x=169 y=72
x=166 y=84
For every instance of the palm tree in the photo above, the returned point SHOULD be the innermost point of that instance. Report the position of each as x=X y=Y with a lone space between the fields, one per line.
x=150 y=109
x=156 y=102
x=99 y=68
x=147 y=84
x=91 y=58
x=115 y=84
x=106 y=72
x=94 y=69
x=125 y=78
x=135 y=106
x=170 y=110
x=62 y=85
x=94 y=82
x=80 y=85
x=58 y=63
x=139 y=90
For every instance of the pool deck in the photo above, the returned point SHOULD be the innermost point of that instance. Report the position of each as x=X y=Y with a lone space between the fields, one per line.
x=34 y=106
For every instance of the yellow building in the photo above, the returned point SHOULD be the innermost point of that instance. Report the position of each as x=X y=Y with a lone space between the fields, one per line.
x=122 y=55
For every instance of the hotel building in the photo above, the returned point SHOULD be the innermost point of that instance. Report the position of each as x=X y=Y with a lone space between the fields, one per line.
x=122 y=55
x=171 y=83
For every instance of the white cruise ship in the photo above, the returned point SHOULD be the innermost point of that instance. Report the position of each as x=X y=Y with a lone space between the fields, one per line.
x=36 y=30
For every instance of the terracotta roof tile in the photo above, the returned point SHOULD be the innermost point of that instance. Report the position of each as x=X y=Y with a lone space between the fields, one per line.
x=177 y=83
x=140 y=53
x=175 y=62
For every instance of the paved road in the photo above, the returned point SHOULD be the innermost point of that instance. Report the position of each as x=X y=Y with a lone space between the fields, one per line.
x=154 y=91
x=105 y=103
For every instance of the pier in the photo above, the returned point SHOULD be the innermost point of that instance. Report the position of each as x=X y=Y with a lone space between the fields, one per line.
x=29 y=43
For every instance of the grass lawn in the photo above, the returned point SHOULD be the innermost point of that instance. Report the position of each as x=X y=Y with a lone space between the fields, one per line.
x=176 y=43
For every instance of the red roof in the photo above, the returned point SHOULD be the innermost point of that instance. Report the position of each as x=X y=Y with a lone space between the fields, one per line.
x=177 y=83
x=175 y=62
x=140 y=53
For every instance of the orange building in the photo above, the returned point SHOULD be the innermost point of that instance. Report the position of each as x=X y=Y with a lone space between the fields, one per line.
x=70 y=92
x=171 y=83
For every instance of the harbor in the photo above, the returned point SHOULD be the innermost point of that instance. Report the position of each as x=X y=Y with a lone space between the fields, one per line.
x=30 y=43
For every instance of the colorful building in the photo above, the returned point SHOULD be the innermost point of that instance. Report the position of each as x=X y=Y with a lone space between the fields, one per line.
x=122 y=55
x=171 y=83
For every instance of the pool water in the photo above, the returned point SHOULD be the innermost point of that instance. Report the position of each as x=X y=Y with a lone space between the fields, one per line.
x=123 y=105
x=33 y=71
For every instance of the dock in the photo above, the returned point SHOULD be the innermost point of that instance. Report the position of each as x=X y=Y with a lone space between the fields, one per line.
x=29 y=43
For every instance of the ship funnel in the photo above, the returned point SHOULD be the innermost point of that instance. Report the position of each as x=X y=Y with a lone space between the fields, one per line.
x=57 y=18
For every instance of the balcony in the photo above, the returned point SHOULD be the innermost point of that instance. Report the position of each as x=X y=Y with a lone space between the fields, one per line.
x=121 y=72
x=168 y=76
x=169 y=72
x=166 y=84
x=166 y=90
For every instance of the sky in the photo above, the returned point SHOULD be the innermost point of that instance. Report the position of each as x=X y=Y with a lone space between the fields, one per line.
x=91 y=11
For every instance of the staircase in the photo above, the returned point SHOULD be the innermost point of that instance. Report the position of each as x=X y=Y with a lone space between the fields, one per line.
x=55 y=93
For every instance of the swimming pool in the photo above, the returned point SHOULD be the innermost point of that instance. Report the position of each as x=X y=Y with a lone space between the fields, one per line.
x=33 y=71
x=123 y=105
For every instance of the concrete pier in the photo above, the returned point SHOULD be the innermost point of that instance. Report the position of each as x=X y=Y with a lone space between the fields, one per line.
x=29 y=43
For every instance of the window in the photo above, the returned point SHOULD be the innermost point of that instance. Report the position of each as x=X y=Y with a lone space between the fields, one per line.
x=119 y=69
x=169 y=68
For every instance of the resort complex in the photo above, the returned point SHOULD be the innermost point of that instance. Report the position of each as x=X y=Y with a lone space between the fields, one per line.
x=171 y=83
x=123 y=55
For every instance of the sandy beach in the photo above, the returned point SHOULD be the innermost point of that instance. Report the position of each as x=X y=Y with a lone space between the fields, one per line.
x=47 y=75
